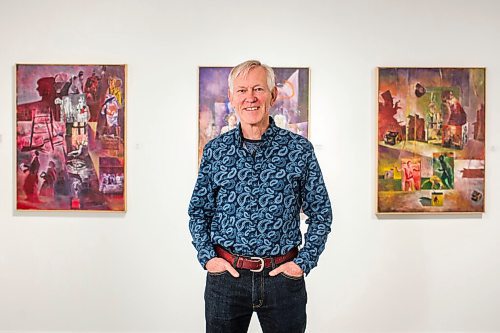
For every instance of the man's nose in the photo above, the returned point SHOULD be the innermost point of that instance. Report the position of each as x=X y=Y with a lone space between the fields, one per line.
x=250 y=96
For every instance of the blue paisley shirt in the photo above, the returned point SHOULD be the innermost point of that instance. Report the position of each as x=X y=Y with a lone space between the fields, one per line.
x=250 y=203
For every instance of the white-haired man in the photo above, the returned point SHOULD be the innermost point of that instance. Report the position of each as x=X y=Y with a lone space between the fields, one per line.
x=244 y=214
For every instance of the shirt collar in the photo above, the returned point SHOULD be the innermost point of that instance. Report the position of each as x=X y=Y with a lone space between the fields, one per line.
x=267 y=136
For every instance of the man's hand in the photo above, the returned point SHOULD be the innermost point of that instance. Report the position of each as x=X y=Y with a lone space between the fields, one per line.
x=218 y=265
x=290 y=268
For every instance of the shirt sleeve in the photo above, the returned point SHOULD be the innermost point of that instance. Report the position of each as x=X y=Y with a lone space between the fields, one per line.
x=316 y=205
x=201 y=210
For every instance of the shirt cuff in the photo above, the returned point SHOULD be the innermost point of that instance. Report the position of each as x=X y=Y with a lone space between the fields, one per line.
x=300 y=262
x=205 y=255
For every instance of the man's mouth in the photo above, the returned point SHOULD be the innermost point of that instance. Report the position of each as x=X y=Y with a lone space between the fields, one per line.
x=252 y=108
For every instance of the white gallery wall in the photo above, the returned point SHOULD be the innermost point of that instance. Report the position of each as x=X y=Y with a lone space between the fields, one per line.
x=138 y=271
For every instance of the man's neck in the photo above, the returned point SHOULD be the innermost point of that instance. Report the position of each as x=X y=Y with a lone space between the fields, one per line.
x=255 y=132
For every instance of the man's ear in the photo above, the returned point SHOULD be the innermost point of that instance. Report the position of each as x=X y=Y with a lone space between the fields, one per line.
x=274 y=95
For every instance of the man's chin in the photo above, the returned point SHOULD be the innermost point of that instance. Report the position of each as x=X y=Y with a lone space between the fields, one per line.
x=254 y=122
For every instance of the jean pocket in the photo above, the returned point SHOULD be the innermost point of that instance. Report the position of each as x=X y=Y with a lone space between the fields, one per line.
x=216 y=273
x=293 y=278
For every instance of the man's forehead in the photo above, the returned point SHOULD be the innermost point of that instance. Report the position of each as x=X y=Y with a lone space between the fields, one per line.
x=252 y=71
x=252 y=77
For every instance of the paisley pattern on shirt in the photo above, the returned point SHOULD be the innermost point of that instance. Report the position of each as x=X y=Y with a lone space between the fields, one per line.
x=250 y=203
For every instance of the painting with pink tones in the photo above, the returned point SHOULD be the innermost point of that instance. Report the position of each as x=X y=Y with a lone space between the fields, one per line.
x=216 y=116
x=431 y=140
x=70 y=131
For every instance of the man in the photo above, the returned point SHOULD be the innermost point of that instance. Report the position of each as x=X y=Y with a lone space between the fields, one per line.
x=458 y=117
x=446 y=172
x=244 y=214
x=30 y=186
x=408 y=181
x=77 y=84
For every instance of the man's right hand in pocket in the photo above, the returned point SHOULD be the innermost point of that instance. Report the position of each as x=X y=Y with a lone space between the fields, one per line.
x=217 y=265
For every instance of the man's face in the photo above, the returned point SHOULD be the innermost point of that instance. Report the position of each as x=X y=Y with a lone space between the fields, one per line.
x=251 y=97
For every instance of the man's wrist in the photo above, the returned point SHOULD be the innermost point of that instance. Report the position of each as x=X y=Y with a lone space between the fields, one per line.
x=207 y=258
x=300 y=262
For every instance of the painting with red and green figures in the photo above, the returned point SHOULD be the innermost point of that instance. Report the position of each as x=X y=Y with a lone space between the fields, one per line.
x=431 y=140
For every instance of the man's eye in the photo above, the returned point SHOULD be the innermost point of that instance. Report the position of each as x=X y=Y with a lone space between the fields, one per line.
x=240 y=91
x=259 y=89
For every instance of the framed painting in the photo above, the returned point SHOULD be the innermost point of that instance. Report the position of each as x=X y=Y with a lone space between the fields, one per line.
x=431 y=140
x=216 y=116
x=70 y=137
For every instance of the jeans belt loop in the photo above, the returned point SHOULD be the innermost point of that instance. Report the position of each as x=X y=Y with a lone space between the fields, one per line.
x=236 y=261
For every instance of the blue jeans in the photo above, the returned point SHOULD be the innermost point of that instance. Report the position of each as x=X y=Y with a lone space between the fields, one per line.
x=279 y=301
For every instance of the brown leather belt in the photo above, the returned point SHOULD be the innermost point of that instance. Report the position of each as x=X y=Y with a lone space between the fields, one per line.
x=255 y=264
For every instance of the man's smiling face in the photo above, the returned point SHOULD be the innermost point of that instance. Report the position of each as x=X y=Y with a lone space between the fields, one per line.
x=251 y=97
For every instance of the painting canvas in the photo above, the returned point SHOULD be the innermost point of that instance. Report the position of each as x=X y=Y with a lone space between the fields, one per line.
x=431 y=140
x=70 y=131
x=216 y=116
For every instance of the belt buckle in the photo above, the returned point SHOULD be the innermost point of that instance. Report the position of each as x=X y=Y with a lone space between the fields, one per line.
x=261 y=264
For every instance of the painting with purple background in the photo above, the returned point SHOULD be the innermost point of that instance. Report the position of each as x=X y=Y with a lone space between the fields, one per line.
x=215 y=114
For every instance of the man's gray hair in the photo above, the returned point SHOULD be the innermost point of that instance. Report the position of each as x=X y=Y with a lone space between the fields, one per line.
x=245 y=67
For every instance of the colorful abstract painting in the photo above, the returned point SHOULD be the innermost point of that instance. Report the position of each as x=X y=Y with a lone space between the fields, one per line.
x=431 y=140
x=216 y=116
x=70 y=125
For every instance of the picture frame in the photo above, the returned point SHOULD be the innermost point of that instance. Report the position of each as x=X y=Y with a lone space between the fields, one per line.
x=71 y=137
x=431 y=140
